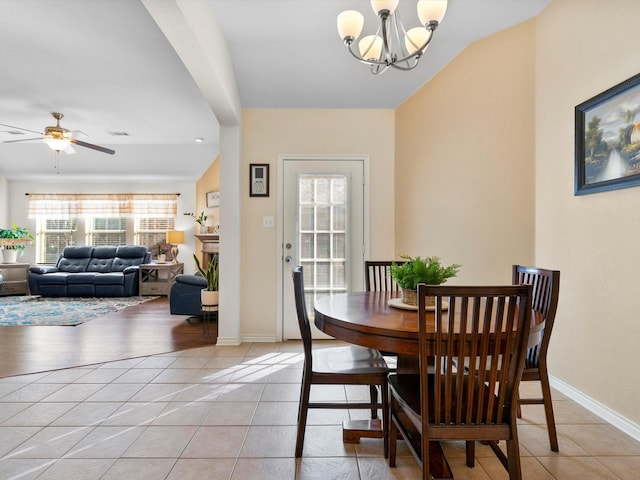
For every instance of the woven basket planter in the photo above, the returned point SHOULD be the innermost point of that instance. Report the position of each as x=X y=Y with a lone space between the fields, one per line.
x=410 y=297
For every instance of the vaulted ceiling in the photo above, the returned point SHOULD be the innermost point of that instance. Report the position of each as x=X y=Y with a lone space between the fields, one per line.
x=108 y=68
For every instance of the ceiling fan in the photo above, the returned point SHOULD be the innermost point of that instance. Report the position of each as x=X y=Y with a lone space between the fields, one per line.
x=60 y=139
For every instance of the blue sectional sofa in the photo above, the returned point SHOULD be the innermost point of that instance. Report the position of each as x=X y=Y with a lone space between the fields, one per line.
x=85 y=271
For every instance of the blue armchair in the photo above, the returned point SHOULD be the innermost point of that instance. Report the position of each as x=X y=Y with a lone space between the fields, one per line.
x=184 y=295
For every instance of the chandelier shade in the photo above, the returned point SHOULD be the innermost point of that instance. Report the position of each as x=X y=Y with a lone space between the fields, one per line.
x=392 y=45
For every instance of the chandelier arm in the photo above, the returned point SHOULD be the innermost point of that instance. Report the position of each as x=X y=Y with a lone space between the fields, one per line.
x=360 y=59
x=431 y=27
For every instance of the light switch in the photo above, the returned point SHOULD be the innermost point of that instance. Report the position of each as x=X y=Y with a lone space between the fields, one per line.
x=268 y=222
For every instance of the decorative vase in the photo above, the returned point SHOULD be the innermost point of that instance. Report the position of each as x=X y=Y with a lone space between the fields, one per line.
x=410 y=297
x=10 y=255
x=204 y=229
x=209 y=299
x=162 y=258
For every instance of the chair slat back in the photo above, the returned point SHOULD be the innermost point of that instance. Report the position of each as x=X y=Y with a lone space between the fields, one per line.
x=303 y=317
x=377 y=276
x=472 y=326
x=545 y=291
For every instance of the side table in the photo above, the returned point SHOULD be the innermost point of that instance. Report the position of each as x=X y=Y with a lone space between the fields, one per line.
x=15 y=278
x=155 y=278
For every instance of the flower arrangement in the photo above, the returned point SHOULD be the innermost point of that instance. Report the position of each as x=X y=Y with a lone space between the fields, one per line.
x=201 y=219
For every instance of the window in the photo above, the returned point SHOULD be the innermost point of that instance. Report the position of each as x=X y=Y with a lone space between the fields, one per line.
x=106 y=231
x=52 y=236
x=100 y=219
x=151 y=231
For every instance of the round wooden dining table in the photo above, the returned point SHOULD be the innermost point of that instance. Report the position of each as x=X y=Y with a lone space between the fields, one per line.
x=367 y=319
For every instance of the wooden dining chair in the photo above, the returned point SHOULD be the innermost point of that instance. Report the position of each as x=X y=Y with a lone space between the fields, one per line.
x=545 y=287
x=377 y=276
x=474 y=325
x=348 y=365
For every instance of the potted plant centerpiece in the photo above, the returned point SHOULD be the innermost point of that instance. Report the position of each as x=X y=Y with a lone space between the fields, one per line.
x=200 y=219
x=13 y=241
x=209 y=295
x=417 y=270
x=161 y=252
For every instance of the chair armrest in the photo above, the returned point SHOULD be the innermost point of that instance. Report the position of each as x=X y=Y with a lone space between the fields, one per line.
x=131 y=269
x=195 y=280
x=42 y=269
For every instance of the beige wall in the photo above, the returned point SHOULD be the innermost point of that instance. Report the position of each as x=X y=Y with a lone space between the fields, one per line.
x=208 y=182
x=583 y=48
x=464 y=161
x=269 y=133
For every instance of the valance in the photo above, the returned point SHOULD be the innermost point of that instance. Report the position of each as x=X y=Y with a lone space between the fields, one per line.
x=62 y=206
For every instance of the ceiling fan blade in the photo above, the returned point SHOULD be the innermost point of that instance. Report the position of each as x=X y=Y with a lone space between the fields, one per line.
x=20 y=128
x=92 y=146
x=23 y=140
x=69 y=150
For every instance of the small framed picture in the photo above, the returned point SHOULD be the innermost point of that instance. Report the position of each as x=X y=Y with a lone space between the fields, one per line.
x=213 y=199
x=259 y=180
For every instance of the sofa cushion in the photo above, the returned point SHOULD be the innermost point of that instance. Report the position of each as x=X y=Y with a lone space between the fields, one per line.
x=128 y=256
x=74 y=259
x=55 y=278
x=102 y=259
x=82 y=277
x=109 y=279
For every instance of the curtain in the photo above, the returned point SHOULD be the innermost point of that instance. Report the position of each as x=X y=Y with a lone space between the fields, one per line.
x=108 y=205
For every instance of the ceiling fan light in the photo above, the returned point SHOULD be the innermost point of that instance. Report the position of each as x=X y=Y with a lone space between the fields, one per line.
x=370 y=47
x=431 y=10
x=57 y=144
x=350 y=23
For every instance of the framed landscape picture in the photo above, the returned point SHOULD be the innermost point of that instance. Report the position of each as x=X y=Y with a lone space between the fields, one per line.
x=607 y=139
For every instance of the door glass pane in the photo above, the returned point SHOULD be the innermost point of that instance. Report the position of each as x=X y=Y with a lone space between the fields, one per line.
x=323 y=234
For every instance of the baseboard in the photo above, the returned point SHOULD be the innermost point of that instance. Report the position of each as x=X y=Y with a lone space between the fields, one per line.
x=228 y=342
x=610 y=416
x=258 y=339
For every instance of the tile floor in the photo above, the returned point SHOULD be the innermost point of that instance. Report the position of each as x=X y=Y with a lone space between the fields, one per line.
x=230 y=413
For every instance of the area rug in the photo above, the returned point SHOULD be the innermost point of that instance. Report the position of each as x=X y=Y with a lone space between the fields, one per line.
x=37 y=310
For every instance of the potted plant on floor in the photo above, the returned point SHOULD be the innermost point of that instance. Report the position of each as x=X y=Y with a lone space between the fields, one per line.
x=209 y=295
x=417 y=270
x=13 y=241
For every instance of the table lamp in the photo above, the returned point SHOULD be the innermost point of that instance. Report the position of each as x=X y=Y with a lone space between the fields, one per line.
x=174 y=238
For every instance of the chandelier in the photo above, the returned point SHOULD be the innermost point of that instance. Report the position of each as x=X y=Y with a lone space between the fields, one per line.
x=392 y=45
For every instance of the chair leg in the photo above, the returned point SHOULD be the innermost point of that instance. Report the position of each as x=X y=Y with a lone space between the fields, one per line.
x=373 y=390
x=393 y=441
x=513 y=459
x=385 y=417
x=303 y=409
x=471 y=453
x=548 y=410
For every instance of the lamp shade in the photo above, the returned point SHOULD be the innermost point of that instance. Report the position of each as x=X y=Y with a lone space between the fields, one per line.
x=57 y=144
x=350 y=24
x=429 y=10
x=370 y=47
x=175 y=237
x=415 y=39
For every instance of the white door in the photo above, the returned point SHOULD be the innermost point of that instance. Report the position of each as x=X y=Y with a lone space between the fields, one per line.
x=323 y=230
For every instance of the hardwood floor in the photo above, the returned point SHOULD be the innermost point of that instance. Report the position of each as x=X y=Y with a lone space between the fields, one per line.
x=137 y=331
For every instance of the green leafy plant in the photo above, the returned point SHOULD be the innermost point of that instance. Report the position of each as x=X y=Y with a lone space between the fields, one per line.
x=201 y=219
x=16 y=233
x=161 y=248
x=417 y=270
x=211 y=274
